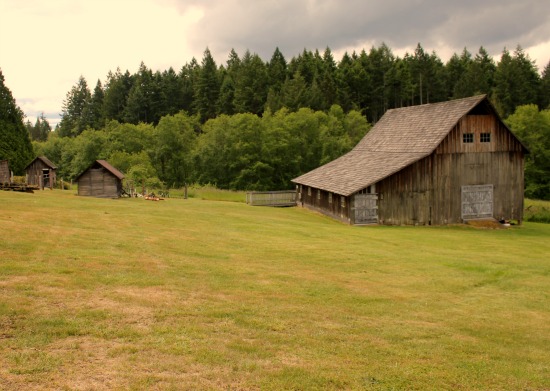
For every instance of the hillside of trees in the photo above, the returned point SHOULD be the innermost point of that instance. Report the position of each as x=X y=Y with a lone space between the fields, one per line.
x=251 y=124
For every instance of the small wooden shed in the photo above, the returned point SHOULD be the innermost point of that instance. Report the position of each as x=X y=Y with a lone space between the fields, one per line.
x=100 y=180
x=5 y=176
x=440 y=163
x=41 y=172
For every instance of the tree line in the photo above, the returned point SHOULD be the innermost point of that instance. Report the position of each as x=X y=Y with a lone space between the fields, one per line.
x=370 y=82
x=241 y=151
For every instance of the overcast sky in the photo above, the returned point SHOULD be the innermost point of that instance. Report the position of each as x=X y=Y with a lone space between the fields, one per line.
x=45 y=46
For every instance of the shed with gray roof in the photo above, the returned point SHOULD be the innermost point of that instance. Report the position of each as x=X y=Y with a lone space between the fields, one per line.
x=100 y=180
x=439 y=163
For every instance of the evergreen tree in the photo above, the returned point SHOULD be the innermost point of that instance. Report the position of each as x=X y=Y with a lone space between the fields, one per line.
x=277 y=70
x=171 y=93
x=455 y=72
x=545 y=88
x=251 y=85
x=326 y=81
x=15 y=144
x=73 y=121
x=378 y=64
x=226 y=99
x=294 y=93
x=116 y=93
x=344 y=83
x=188 y=76
x=41 y=129
x=479 y=76
x=517 y=82
x=94 y=110
x=144 y=99
x=207 y=88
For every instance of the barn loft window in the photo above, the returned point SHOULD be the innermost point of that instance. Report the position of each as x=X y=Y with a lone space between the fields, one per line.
x=468 y=138
x=330 y=198
x=309 y=191
x=485 y=137
x=318 y=194
x=343 y=201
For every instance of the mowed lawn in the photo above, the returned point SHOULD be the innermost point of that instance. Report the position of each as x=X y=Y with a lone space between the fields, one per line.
x=101 y=294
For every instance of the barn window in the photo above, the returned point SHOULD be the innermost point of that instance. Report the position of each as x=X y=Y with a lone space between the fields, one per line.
x=343 y=201
x=468 y=138
x=318 y=194
x=485 y=137
x=330 y=198
x=309 y=191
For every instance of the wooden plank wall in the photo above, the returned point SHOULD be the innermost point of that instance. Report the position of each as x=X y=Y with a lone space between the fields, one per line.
x=405 y=198
x=331 y=204
x=4 y=172
x=503 y=170
x=99 y=182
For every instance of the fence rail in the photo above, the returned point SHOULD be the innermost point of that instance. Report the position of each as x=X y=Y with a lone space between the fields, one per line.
x=271 y=198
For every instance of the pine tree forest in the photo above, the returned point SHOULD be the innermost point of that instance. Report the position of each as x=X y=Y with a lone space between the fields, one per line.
x=254 y=124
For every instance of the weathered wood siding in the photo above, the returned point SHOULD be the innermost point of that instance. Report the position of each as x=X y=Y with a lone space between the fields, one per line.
x=35 y=174
x=99 y=182
x=405 y=197
x=503 y=170
x=4 y=171
x=331 y=204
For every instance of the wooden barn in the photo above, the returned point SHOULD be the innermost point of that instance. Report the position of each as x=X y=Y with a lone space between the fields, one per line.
x=41 y=172
x=5 y=176
x=440 y=163
x=100 y=180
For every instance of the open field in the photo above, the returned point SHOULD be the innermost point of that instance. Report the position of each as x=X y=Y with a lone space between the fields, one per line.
x=193 y=294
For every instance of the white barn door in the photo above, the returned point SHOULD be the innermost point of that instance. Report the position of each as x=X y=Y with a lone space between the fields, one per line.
x=477 y=202
x=366 y=208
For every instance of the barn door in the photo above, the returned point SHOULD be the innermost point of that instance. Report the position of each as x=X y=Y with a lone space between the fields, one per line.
x=366 y=208
x=477 y=202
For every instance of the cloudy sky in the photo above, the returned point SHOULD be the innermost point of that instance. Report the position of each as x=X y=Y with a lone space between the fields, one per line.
x=45 y=46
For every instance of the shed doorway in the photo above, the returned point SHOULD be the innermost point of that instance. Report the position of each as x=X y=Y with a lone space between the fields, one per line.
x=366 y=208
x=477 y=202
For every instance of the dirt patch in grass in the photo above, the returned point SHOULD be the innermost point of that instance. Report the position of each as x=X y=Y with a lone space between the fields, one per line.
x=487 y=224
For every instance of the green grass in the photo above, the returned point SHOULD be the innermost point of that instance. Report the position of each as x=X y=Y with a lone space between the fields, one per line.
x=196 y=294
x=206 y=192
x=537 y=211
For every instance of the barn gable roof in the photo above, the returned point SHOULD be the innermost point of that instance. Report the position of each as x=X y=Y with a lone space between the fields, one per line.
x=107 y=166
x=401 y=137
x=47 y=162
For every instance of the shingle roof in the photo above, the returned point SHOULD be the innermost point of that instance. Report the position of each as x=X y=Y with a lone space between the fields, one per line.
x=110 y=168
x=107 y=166
x=401 y=137
x=44 y=160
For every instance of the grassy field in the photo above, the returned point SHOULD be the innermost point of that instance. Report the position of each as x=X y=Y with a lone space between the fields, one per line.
x=194 y=294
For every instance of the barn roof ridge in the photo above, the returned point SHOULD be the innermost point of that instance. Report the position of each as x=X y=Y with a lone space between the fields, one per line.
x=402 y=137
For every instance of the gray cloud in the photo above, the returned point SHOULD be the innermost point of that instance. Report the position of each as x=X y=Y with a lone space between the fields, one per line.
x=291 y=25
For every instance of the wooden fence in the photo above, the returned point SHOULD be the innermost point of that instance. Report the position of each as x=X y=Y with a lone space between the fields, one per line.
x=271 y=198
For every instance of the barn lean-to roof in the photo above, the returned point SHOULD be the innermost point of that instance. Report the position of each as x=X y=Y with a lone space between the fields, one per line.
x=401 y=137
x=107 y=166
